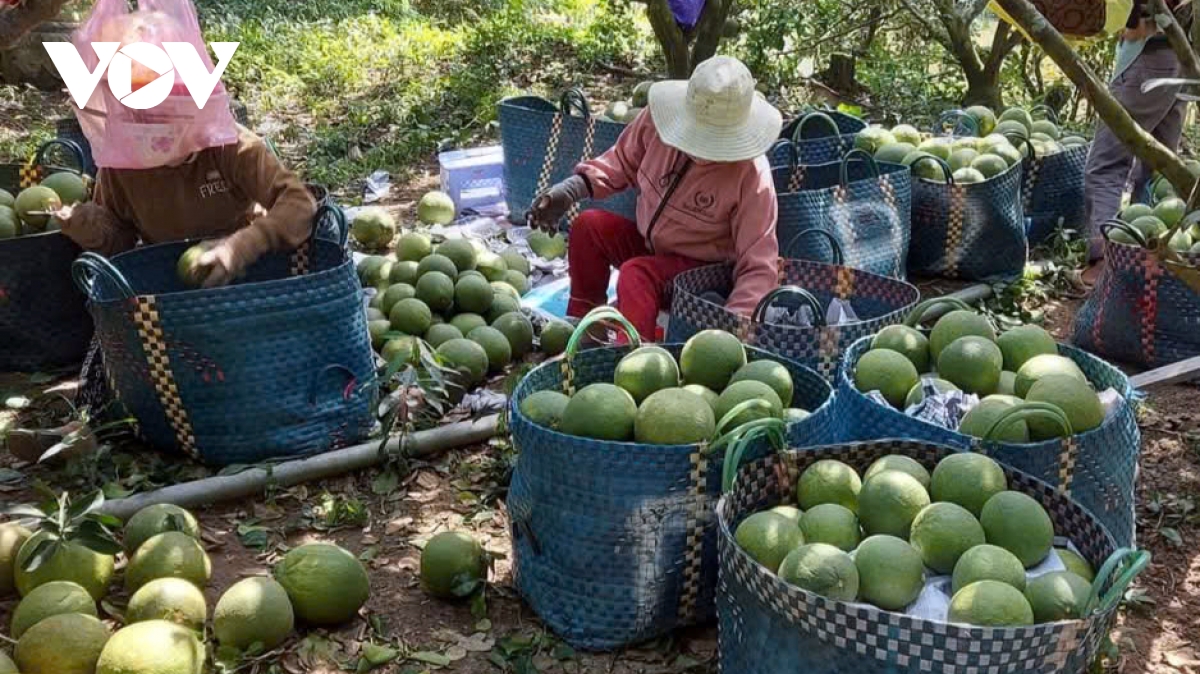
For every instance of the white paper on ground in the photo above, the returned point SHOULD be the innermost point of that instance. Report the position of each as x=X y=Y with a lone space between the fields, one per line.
x=838 y=312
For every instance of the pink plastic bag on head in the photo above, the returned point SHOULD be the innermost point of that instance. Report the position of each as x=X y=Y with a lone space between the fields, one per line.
x=166 y=134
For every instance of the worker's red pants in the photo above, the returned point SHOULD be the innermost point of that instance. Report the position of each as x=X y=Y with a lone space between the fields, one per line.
x=601 y=241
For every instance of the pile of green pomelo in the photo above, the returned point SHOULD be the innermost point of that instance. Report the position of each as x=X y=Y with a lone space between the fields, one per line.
x=656 y=400
x=971 y=160
x=1155 y=222
x=625 y=111
x=878 y=537
x=963 y=352
x=23 y=214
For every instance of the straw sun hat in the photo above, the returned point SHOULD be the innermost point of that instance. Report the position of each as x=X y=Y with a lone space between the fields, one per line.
x=716 y=115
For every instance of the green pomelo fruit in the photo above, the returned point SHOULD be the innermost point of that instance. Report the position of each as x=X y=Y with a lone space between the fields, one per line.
x=769 y=372
x=71 y=562
x=502 y=304
x=969 y=176
x=1163 y=189
x=453 y=564
x=545 y=246
x=980 y=419
x=460 y=252
x=187 y=267
x=673 y=416
x=1019 y=115
x=1134 y=211
x=7 y=199
x=171 y=599
x=253 y=611
x=464 y=354
x=972 y=363
x=968 y=480
x=1011 y=128
x=828 y=481
x=1121 y=236
x=923 y=166
x=985 y=119
x=153 y=647
x=495 y=344
x=1043 y=366
x=1180 y=242
x=436 y=208
x=1047 y=127
x=991 y=141
x=990 y=165
x=468 y=322
x=645 y=370
x=1058 y=595
x=376 y=314
x=794 y=415
x=965 y=143
x=890 y=572
x=888 y=372
x=68 y=643
x=823 y=570
x=894 y=153
x=899 y=462
x=792 y=513
x=1023 y=343
x=710 y=358
x=601 y=411
x=906 y=341
x=1011 y=155
x=36 y=199
x=503 y=288
x=872 y=138
x=554 y=337
x=400 y=347
x=942 y=532
x=1019 y=524
x=768 y=538
x=888 y=503
x=545 y=408
x=368 y=268
x=439 y=263
x=168 y=555
x=53 y=598
x=441 y=333
x=831 y=524
x=410 y=316
x=1076 y=564
x=12 y=537
x=413 y=247
x=739 y=392
x=938 y=147
x=916 y=394
x=491 y=265
x=518 y=330
x=515 y=260
x=955 y=325
x=436 y=290
x=1075 y=398
x=1170 y=211
x=988 y=562
x=990 y=603
x=517 y=280
x=706 y=393
x=1195 y=249
x=905 y=133
x=961 y=159
x=395 y=293
x=9 y=223
x=473 y=294
x=68 y=186
x=326 y=583
x=641 y=94
x=7 y=666
x=1150 y=227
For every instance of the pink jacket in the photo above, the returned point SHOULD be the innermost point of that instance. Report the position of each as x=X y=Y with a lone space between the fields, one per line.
x=720 y=212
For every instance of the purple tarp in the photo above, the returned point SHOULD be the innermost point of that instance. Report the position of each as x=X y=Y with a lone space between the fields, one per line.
x=687 y=12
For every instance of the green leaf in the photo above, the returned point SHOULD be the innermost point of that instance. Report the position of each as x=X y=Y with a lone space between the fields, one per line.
x=430 y=658
x=89 y=503
x=114 y=490
x=25 y=511
x=111 y=521
x=479 y=604
x=385 y=483
x=378 y=655
x=45 y=550
x=1172 y=536
x=253 y=536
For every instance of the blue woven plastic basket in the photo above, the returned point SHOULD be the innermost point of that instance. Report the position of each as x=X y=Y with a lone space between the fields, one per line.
x=1098 y=468
x=878 y=301
x=614 y=542
x=768 y=626
x=1052 y=192
x=820 y=137
x=44 y=322
x=279 y=364
x=544 y=142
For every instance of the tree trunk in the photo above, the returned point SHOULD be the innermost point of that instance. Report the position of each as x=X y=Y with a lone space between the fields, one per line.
x=983 y=88
x=840 y=75
x=16 y=22
x=684 y=51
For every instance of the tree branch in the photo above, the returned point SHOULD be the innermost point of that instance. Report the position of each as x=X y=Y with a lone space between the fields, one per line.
x=710 y=30
x=937 y=33
x=670 y=38
x=1179 y=40
x=16 y=22
x=1112 y=113
x=968 y=11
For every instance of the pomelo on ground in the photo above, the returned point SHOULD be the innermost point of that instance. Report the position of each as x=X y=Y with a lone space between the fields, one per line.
x=645 y=370
x=1076 y=564
x=769 y=372
x=468 y=321
x=832 y=524
x=68 y=643
x=69 y=187
x=1022 y=343
x=413 y=247
x=7 y=666
x=168 y=555
x=460 y=252
x=441 y=333
x=890 y=572
x=1076 y=399
x=72 y=562
x=894 y=153
x=828 y=481
x=673 y=416
x=888 y=503
x=942 y=532
x=967 y=479
x=439 y=263
x=792 y=513
x=888 y=372
x=990 y=603
x=464 y=354
x=988 y=562
x=411 y=316
x=518 y=330
x=452 y=564
x=957 y=324
x=378 y=329
x=980 y=419
x=515 y=260
x=53 y=598
x=972 y=363
x=326 y=583
x=12 y=537
x=503 y=303
x=395 y=293
x=400 y=347
x=517 y=280
x=906 y=341
x=916 y=394
x=545 y=408
x=171 y=599
x=1019 y=524
x=1058 y=595
x=368 y=269
x=554 y=337
x=768 y=538
x=904 y=464
x=823 y=570
x=739 y=392
x=436 y=208
x=601 y=411
x=152 y=647
x=495 y=345
x=545 y=246
x=436 y=290
x=474 y=294
x=36 y=199
x=1042 y=366
x=491 y=265
x=710 y=358
x=253 y=610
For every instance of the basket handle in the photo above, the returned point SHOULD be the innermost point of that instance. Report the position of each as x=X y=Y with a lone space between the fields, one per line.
x=820 y=117
x=838 y=257
x=1026 y=411
x=1017 y=140
x=738 y=440
x=1109 y=225
x=72 y=148
x=861 y=155
x=918 y=312
x=1047 y=112
x=958 y=117
x=760 y=311
x=1133 y=561
x=947 y=173
x=574 y=100
x=88 y=266
x=789 y=147
x=339 y=221
x=598 y=315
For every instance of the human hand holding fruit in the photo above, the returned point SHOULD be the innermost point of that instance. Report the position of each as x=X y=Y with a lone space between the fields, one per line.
x=550 y=206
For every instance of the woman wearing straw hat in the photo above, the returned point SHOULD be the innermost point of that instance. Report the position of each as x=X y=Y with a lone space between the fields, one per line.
x=697 y=157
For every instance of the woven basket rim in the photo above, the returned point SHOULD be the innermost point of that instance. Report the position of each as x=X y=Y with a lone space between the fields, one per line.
x=37 y=235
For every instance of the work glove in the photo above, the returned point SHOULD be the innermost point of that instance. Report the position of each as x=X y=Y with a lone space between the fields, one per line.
x=550 y=206
x=228 y=258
